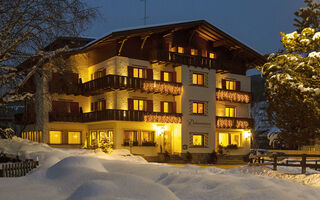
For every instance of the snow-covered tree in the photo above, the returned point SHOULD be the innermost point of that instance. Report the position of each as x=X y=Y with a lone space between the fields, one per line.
x=309 y=16
x=293 y=87
x=26 y=27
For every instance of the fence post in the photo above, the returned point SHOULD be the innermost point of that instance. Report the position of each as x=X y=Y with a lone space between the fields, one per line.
x=275 y=162
x=303 y=164
x=316 y=168
x=262 y=160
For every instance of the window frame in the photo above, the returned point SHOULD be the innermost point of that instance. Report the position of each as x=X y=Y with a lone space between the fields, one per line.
x=202 y=140
x=69 y=137
x=198 y=103
x=229 y=136
x=141 y=72
x=197 y=74
x=61 y=137
x=139 y=101
x=228 y=114
x=228 y=84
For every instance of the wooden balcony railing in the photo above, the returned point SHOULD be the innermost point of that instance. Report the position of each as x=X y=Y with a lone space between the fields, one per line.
x=185 y=59
x=116 y=82
x=233 y=96
x=113 y=114
x=234 y=123
x=24 y=118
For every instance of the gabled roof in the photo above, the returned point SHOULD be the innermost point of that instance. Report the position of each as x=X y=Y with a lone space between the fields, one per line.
x=202 y=27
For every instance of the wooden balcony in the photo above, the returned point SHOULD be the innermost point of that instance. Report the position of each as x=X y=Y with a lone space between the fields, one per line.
x=233 y=96
x=116 y=82
x=184 y=59
x=234 y=123
x=24 y=118
x=119 y=115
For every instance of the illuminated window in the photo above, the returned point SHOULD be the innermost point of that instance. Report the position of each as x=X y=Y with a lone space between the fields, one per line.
x=194 y=52
x=138 y=72
x=230 y=85
x=55 y=137
x=147 y=137
x=139 y=104
x=180 y=50
x=74 y=138
x=197 y=79
x=173 y=49
x=226 y=139
x=165 y=107
x=197 y=140
x=212 y=55
x=230 y=112
x=197 y=108
x=166 y=76
x=130 y=136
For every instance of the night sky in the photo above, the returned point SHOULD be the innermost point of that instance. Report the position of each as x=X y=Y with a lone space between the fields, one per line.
x=257 y=23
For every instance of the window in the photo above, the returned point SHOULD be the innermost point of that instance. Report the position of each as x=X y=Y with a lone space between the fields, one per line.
x=197 y=79
x=230 y=112
x=194 y=52
x=166 y=107
x=147 y=138
x=173 y=49
x=226 y=139
x=130 y=136
x=138 y=72
x=230 y=85
x=166 y=76
x=98 y=105
x=212 y=55
x=55 y=137
x=139 y=104
x=180 y=50
x=74 y=138
x=197 y=108
x=197 y=140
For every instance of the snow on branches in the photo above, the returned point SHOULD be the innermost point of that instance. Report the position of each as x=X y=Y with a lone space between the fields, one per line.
x=293 y=84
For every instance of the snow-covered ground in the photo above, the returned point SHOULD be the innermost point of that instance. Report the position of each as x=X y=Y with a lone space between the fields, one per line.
x=84 y=174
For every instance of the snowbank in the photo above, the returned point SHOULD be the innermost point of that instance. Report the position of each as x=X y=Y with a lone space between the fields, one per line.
x=83 y=174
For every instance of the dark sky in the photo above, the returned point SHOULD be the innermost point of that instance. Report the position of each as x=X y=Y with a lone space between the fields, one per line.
x=257 y=23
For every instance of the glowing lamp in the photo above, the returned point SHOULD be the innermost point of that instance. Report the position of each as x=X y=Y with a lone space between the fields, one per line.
x=246 y=134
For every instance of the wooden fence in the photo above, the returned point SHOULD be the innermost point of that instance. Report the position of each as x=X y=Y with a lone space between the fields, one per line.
x=17 y=169
x=273 y=159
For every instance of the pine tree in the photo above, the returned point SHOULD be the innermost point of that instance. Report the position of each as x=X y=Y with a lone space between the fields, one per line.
x=309 y=16
x=293 y=87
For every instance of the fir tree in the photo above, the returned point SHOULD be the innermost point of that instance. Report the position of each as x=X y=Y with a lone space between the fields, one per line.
x=309 y=16
x=293 y=87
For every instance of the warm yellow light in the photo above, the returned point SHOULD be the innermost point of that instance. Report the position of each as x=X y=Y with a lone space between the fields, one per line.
x=160 y=129
x=180 y=50
x=224 y=139
x=55 y=137
x=232 y=96
x=246 y=134
x=166 y=76
x=73 y=137
x=160 y=87
x=165 y=107
x=197 y=140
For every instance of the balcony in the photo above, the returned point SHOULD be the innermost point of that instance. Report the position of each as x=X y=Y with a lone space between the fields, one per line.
x=24 y=118
x=184 y=59
x=116 y=82
x=119 y=115
x=233 y=96
x=234 y=123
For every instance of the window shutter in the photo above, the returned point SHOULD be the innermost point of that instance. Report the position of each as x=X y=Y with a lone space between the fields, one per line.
x=92 y=107
x=96 y=106
x=161 y=106
x=74 y=107
x=104 y=104
x=238 y=86
x=75 y=78
x=224 y=84
x=96 y=75
x=149 y=105
x=174 y=76
x=55 y=106
x=149 y=74
x=55 y=76
x=174 y=107
x=161 y=75
x=104 y=72
x=130 y=71
x=130 y=104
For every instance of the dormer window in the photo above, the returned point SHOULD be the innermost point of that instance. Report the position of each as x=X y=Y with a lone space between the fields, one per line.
x=212 y=55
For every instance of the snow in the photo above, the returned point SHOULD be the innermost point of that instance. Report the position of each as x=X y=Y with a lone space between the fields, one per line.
x=86 y=174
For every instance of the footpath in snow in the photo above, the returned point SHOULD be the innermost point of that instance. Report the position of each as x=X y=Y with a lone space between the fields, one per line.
x=78 y=174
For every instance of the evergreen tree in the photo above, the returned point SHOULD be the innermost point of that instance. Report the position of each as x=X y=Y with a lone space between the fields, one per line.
x=309 y=16
x=293 y=87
